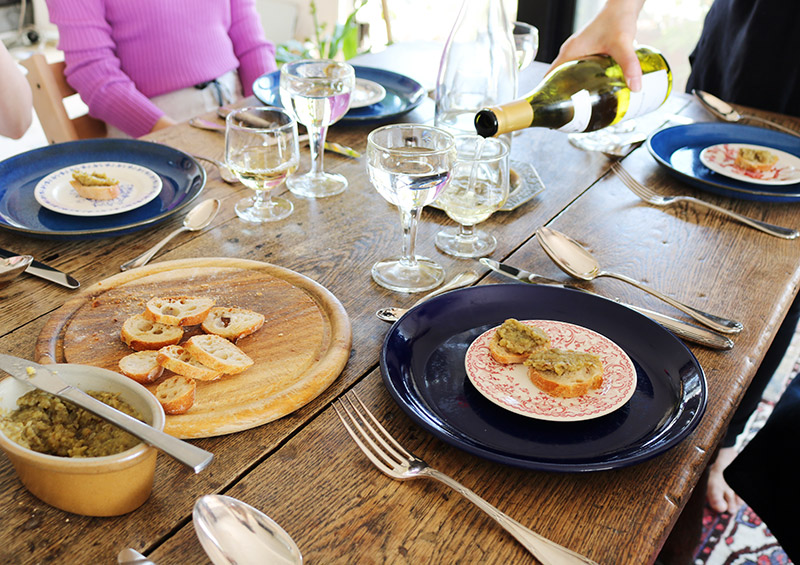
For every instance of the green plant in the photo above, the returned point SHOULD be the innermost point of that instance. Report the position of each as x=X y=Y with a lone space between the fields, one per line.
x=323 y=45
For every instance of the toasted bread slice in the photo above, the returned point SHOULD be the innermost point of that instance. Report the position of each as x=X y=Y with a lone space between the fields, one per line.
x=752 y=159
x=514 y=341
x=142 y=334
x=141 y=366
x=178 y=310
x=176 y=394
x=218 y=353
x=565 y=373
x=178 y=360
x=232 y=323
x=94 y=186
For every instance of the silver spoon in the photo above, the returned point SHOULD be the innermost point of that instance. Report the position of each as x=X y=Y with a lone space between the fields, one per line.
x=394 y=313
x=224 y=172
x=198 y=218
x=130 y=556
x=577 y=262
x=725 y=111
x=234 y=533
x=11 y=267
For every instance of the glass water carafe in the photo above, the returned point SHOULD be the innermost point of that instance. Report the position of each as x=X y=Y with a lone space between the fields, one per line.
x=478 y=66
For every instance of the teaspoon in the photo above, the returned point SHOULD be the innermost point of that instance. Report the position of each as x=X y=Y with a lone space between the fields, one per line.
x=394 y=313
x=224 y=172
x=725 y=111
x=234 y=533
x=577 y=262
x=198 y=218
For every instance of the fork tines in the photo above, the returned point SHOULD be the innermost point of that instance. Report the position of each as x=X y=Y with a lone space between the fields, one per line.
x=373 y=439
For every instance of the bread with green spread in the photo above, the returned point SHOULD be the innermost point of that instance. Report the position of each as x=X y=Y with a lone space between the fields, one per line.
x=514 y=341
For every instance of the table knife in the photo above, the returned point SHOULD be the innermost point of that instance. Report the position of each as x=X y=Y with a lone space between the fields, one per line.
x=680 y=328
x=46 y=272
x=47 y=379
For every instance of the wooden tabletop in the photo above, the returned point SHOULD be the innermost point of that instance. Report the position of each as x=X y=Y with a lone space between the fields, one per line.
x=304 y=471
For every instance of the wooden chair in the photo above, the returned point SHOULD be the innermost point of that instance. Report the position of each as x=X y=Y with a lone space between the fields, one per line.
x=50 y=88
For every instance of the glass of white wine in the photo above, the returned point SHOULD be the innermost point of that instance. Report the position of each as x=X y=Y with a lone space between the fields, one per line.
x=409 y=165
x=316 y=92
x=261 y=149
x=526 y=43
x=478 y=187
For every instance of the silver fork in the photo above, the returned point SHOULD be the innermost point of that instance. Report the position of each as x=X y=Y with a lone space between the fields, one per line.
x=651 y=197
x=393 y=460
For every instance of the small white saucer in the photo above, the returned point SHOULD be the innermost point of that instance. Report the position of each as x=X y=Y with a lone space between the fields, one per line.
x=365 y=93
x=509 y=386
x=721 y=159
x=138 y=186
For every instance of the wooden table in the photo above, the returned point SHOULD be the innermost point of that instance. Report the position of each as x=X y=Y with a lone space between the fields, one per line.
x=305 y=472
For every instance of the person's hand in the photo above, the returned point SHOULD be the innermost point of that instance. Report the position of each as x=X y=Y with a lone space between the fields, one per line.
x=163 y=122
x=611 y=32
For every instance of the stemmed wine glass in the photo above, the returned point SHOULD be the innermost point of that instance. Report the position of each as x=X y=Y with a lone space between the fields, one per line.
x=409 y=165
x=261 y=149
x=317 y=93
x=526 y=43
x=478 y=187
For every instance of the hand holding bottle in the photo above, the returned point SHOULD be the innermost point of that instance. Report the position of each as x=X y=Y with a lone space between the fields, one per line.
x=611 y=32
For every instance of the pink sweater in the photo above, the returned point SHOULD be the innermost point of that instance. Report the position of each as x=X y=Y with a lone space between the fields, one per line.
x=120 y=53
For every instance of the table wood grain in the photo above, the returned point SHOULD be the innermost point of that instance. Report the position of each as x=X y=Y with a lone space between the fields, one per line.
x=304 y=471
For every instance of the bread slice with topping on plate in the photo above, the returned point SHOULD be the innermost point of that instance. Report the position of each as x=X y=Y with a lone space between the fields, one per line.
x=565 y=373
x=514 y=341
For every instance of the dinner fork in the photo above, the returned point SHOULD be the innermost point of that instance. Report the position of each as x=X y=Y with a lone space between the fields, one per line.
x=393 y=460
x=651 y=197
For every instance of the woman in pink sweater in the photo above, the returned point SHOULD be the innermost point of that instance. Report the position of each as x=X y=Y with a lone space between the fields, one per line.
x=141 y=65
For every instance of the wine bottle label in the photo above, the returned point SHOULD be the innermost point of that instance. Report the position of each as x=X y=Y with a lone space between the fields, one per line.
x=654 y=90
x=582 y=105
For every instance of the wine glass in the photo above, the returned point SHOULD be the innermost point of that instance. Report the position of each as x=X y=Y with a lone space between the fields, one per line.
x=478 y=187
x=526 y=43
x=409 y=165
x=317 y=93
x=261 y=149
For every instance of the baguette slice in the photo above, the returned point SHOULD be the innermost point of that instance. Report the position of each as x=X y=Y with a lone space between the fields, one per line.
x=142 y=366
x=218 y=353
x=752 y=159
x=178 y=360
x=142 y=334
x=232 y=323
x=178 y=310
x=565 y=373
x=176 y=394
x=514 y=341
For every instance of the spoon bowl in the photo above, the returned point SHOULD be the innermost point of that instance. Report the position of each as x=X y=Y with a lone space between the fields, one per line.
x=577 y=262
x=234 y=533
x=196 y=219
x=728 y=113
x=11 y=267
x=224 y=172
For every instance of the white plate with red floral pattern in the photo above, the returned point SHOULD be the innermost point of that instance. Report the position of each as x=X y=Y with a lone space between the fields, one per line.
x=509 y=386
x=721 y=158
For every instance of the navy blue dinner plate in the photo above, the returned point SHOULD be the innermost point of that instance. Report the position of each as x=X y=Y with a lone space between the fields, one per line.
x=678 y=149
x=422 y=364
x=182 y=179
x=403 y=94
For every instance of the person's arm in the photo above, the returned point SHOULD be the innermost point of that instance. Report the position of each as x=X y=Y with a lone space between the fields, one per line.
x=94 y=71
x=612 y=32
x=15 y=97
x=256 y=55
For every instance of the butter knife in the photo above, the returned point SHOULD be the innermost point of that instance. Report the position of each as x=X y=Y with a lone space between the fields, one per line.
x=725 y=111
x=680 y=328
x=39 y=269
x=46 y=378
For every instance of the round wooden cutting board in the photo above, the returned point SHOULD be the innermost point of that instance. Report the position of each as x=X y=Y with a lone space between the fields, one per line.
x=302 y=347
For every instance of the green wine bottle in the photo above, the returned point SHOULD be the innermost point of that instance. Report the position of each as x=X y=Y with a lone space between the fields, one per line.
x=583 y=95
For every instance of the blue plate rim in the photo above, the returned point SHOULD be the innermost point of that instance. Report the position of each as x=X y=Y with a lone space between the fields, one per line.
x=665 y=142
x=424 y=318
x=414 y=95
x=192 y=185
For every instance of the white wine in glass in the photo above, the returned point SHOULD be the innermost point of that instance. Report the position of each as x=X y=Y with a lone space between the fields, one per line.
x=261 y=149
x=316 y=92
x=526 y=43
x=478 y=187
x=409 y=165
